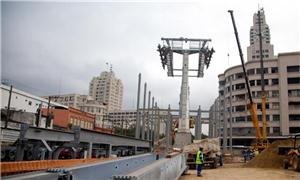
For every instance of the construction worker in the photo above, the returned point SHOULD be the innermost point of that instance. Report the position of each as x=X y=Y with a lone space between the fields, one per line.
x=199 y=161
x=256 y=152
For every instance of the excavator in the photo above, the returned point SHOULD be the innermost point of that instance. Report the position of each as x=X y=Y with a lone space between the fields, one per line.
x=261 y=137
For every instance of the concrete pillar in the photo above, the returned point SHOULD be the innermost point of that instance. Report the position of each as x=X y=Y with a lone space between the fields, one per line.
x=144 y=111
x=168 y=128
x=90 y=150
x=198 y=125
x=138 y=123
x=109 y=149
x=230 y=116
x=215 y=121
x=183 y=125
x=135 y=150
x=224 y=124
x=21 y=143
x=156 y=136
x=148 y=116
x=152 y=119
x=219 y=117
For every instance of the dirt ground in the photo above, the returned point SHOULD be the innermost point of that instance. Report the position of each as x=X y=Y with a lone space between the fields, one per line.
x=237 y=172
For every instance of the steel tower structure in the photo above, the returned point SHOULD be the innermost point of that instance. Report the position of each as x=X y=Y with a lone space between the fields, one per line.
x=185 y=47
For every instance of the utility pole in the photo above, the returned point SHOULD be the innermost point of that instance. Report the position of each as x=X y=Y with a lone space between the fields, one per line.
x=48 y=113
x=8 y=107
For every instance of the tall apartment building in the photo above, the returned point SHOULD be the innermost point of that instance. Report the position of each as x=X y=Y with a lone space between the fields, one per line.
x=253 y=51
x=84 y=103
x=282 y=87
x=108 y=89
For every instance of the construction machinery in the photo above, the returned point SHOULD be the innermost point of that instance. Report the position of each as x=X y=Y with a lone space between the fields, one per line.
x=292 y=154
x=261 y=138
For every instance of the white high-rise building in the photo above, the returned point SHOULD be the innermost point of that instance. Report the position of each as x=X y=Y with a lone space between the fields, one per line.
x=253 y=51
x=108 y=89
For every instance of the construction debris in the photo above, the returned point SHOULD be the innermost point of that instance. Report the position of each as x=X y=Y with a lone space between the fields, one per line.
x=269 y=158
x=211 y=145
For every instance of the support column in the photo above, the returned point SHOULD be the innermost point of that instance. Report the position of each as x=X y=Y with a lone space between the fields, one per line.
x=155 y=136
x=219 y=117
x=138 y=122
x=90 y=150
x=148 y=116
x=183 y=136
x=168 y=119
x=224 y=124
x=135 y=150
x=21 y=143
x=215 y=121
x=109 y=149
x=198 y=125
x=144 y=112
x=230 y=117
x=152 y=120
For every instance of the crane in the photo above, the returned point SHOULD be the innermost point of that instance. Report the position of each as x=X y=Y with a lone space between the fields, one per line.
x=261 y=141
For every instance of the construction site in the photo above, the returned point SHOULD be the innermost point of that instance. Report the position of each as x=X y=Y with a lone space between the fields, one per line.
x=251 y=130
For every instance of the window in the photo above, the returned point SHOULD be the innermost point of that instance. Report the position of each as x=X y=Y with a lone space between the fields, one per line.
x=275 y=81
x=259 y=106
x=29 y=103
x=239 y=76
x=221 y=83
x=221 y=93
x=240 y=119
x=294 y=129
x=276 y=129
x=293 y=69
x=294 y=117
x=258 y=82
x=250 y=71
x=275 y=93
x=295 y=80
x=240 y=86
x=276 y=117
x=259 y=117
x=240 y=108
x=275 y=105
x=252 y=82
x=294 y=93
x=294 y=105
x=240 y=97
x=258 y=71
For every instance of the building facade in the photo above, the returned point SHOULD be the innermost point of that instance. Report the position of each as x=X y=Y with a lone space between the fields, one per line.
x=84 y=103
x=253 y=51
x=282 y=87
x=23 y=101
x=108 y=89
x=66 y=117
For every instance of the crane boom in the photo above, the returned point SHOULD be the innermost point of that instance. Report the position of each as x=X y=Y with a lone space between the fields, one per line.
x=251 y=105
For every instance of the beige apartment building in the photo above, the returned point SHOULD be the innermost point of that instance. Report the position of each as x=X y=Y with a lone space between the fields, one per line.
x=253 y=51
x=84 y=103
x=108 y=89
x=282 y=87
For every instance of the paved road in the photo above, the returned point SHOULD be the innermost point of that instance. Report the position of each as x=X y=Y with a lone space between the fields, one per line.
x=237 y=172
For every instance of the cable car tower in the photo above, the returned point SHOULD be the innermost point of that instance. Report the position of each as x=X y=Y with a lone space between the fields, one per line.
x=185 y=47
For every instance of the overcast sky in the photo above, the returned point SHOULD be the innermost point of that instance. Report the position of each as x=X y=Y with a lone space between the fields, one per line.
x=56 y=48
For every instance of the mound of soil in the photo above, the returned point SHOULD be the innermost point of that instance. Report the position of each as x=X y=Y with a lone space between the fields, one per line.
x=269 y=157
